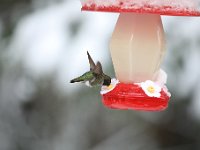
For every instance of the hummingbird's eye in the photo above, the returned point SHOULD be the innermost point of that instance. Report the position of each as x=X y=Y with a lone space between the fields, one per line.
x=106 y=82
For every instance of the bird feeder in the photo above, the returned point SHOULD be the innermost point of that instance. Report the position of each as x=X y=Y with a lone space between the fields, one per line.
x=137 y=49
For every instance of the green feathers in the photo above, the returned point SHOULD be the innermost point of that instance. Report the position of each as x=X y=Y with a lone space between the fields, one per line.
x=85 y=77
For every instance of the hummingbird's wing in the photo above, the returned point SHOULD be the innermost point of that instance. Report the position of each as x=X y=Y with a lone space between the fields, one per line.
x=91 y=62
x=98 y=69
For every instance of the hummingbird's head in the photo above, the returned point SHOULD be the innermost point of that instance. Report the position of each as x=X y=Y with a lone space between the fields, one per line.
x=107 y=80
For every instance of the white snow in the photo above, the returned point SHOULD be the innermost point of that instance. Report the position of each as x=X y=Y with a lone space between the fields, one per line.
x=42 y=41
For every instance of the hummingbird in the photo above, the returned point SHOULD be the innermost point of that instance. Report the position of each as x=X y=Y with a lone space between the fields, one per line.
x=94 y=76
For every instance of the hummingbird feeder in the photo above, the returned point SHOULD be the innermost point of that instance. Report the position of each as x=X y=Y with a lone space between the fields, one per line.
x=137 y=49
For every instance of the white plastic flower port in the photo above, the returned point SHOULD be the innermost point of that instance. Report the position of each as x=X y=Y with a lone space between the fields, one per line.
x=137 y=48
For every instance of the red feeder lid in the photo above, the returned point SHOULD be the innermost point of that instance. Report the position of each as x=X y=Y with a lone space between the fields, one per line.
x=162 y=7
x=132 y=96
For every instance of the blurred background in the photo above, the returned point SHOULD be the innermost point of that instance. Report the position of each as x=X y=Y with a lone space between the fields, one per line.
x=43 y=45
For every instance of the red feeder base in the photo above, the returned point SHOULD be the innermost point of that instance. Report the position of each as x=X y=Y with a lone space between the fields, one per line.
x=131 y=96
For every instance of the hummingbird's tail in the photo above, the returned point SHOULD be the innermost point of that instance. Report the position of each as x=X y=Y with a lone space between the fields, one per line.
x=85 y=77
x=79 y=79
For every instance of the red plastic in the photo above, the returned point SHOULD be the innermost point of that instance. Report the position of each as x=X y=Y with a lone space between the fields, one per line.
x=131 y=96
x=165 y=10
